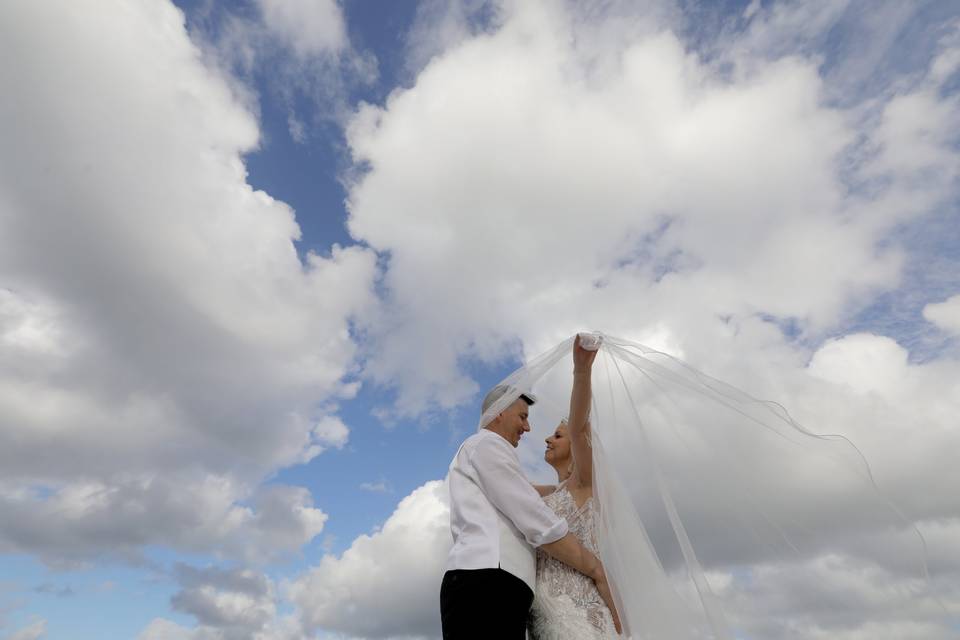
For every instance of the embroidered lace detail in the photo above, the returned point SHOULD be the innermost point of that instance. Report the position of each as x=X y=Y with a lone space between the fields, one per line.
x=567 y=605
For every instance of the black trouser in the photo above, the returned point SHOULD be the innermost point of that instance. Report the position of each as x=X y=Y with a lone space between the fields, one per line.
x=491 y=604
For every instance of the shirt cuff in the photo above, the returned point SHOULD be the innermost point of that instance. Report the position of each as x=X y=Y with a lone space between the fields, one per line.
x=554 y=533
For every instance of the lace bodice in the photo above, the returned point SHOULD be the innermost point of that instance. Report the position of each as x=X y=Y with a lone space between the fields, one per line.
x=567 y=603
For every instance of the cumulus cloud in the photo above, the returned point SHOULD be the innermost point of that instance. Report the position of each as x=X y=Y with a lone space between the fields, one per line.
x=387 y=584
x=117 y=517
x=227 y=604
x=946 y=314
x=380 y=486
x=833 y=597
x=332 y=432
x=163 y=629
x=863 y=362
x=299 y=51
x=231 y=600
x=164 y=346
x=580 y=172
x=439 y=25
x=34 y=631
x=309 y=26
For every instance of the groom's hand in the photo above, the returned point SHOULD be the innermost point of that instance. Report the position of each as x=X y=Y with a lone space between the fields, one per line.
x=600 y=579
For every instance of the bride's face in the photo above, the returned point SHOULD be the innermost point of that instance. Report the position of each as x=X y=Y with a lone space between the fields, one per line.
x=558 y=446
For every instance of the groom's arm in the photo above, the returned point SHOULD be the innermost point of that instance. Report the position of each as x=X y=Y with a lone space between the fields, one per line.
x=499 y=475
x=498 y=472
x=569 y=551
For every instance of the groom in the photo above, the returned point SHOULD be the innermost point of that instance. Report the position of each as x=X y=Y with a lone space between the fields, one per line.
x=497 y=520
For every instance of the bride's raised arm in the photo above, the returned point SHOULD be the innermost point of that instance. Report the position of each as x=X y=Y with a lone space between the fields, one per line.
x=578 y=421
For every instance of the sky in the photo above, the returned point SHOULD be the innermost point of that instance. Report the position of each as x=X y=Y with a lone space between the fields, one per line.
x=260 y=260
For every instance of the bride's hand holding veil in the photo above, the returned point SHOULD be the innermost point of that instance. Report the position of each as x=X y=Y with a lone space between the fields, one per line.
x=585 y=349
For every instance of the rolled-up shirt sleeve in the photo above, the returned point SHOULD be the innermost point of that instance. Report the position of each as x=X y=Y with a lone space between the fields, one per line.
x=500 y=477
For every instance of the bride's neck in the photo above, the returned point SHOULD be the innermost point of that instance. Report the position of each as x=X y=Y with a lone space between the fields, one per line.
x=563 y=472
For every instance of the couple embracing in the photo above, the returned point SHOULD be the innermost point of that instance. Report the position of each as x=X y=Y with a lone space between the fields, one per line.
x=526 y=555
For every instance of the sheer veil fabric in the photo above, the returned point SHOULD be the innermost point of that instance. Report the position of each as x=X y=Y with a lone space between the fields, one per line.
x=702 y=489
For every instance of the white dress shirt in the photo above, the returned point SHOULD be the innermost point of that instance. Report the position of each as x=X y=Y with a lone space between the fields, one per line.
x=497 y=518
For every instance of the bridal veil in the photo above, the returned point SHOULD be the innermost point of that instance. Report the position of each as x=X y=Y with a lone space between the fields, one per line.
x=706 y=493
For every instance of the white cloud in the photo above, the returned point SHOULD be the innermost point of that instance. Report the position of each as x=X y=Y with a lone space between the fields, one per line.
x=228 y=604
x=783 y=28
x=163 y=629
x=195 y=512
x=376 y=487
x=946 y=314
x=28 y=326
x=231 y=600
x=863 y=362
x=836 y=598
x=297 y=52
x=331 y=432
x=33 y=631
x=311 y=27
x=439 y=25
x=164 y=346
x=623 y=183
x=373 y=591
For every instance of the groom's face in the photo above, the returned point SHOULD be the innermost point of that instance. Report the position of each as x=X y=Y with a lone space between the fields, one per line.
x=512 y=423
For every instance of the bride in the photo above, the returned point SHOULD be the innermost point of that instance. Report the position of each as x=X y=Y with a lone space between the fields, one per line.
x=567 y=603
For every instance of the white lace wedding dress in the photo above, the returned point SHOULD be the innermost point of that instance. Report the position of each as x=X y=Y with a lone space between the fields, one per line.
x=567 y=604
